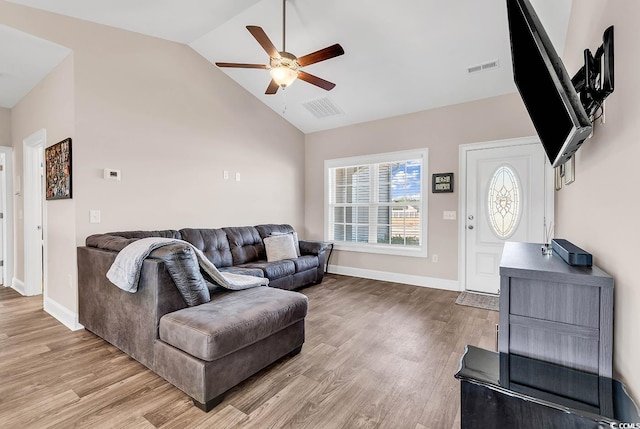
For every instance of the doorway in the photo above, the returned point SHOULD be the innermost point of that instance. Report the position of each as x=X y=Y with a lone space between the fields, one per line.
x=506 y=194
x=34 y=216
x=6 y=215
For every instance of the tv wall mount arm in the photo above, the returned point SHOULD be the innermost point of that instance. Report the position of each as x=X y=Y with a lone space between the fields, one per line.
x=595 y=80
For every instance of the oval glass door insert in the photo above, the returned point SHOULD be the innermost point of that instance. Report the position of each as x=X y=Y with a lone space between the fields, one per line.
x=504 y=202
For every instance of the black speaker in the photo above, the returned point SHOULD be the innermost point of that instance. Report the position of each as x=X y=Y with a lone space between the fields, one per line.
x=570 y=253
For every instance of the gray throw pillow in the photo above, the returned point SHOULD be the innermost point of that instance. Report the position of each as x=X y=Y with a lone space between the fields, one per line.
x=185 y=273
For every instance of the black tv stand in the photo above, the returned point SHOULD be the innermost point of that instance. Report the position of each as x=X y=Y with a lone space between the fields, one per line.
x=535 y=394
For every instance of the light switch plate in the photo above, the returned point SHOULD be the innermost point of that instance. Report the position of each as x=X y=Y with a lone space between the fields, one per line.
x=94 y=216
x=449 y=215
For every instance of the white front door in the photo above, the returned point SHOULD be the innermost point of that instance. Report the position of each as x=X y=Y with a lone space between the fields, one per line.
x=505 y=201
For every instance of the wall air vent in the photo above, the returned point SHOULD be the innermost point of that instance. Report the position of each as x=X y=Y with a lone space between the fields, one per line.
x=484 y=66
x=322 y=108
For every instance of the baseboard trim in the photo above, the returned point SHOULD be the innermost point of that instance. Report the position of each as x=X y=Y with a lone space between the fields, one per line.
x=65 y=316
x=18 y=285
x=430 y=282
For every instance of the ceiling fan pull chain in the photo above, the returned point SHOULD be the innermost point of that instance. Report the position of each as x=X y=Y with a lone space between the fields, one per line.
x=284 y=98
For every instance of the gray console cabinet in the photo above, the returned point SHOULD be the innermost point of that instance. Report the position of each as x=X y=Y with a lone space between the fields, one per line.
x=555 y=312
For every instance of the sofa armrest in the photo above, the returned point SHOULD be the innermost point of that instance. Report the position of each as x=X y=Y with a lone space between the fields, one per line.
x=309 y=247
x=127 y=320
x=115 y=243
x=319 y=249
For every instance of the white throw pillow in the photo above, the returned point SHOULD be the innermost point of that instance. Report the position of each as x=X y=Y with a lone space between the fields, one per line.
x=294 y=234
x=279 y=247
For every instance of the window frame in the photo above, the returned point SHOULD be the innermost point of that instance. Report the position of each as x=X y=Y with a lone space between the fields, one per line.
x=388 y=157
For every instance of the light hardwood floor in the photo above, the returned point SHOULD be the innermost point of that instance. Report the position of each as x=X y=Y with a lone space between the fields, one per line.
x=377 y=355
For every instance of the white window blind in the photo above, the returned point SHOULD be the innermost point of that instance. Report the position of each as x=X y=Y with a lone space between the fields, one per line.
x=377 y=203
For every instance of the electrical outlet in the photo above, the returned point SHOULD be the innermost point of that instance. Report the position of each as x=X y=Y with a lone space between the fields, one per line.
x=434 y=258
x=237 y=177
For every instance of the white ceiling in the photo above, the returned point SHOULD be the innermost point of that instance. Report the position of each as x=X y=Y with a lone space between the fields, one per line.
x=400 y=56
x=24 y=61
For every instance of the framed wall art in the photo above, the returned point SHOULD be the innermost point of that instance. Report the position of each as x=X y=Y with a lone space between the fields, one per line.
x=58 y=170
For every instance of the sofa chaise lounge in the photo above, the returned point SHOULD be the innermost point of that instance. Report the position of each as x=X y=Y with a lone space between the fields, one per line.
x=204 y=349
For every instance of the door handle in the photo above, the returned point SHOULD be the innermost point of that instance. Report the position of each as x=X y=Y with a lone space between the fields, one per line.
x=470 y=227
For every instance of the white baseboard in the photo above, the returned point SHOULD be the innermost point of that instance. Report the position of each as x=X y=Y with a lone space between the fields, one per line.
x=65 y=316
x=387 y=276
x=18 y=285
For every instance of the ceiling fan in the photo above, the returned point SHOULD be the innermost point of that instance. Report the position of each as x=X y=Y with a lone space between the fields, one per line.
x=285 y=67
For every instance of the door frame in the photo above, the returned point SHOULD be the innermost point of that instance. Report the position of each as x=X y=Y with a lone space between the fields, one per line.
x=33 y=200
x=7 y=221
x=463 y=150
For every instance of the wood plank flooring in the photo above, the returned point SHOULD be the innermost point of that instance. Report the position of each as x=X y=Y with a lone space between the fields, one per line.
x=377 y=355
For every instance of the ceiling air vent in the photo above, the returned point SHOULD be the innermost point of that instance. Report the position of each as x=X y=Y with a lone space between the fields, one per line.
x=484 y=66
x=322 y=108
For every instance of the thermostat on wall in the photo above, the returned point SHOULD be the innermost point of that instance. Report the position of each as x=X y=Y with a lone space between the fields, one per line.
x=112 y=174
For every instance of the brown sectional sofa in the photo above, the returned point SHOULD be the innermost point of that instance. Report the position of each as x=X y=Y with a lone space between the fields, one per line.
x=206 y=349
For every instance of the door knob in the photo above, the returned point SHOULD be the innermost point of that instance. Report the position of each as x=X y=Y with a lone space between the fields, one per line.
x=470 y=217
x=470 y=227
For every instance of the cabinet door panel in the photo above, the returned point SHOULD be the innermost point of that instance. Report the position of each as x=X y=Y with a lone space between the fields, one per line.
x=562 y=349
x=558 y=302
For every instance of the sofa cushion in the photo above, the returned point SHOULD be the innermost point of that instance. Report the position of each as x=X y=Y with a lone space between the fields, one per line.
x=306 y=262
x=279 y=247
x=273 y=229
x=164 y=233
x=273 y=270
x=232 y=321
x=246 y=244
x=116 y=241
x=212 y=242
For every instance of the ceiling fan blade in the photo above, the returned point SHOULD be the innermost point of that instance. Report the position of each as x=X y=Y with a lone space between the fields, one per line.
x=315 y=80
x=321 y=55
x=242 y=66
x=264 y=40
x=272 y=88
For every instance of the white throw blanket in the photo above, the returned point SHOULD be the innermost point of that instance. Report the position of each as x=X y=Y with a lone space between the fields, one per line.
x=125 y=270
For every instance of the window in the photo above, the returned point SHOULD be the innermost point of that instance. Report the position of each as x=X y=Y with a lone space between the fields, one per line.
x=503 y=202
x=377 y=203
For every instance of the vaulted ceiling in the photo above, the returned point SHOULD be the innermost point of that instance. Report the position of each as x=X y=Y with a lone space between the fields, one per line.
x=400 y=56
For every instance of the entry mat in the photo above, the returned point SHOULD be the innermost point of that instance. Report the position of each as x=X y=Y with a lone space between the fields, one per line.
x=470 y=299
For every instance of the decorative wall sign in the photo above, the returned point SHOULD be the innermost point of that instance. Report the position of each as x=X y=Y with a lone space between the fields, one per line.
x=58 y=170
x=442 y=182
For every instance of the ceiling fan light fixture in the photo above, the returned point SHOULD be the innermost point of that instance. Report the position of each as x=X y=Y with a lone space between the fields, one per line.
x=284 y=70
x=283 y=75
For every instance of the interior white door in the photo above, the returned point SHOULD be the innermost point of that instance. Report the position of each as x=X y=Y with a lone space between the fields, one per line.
x=3 y=188
x=505 y=201
x=33 y=149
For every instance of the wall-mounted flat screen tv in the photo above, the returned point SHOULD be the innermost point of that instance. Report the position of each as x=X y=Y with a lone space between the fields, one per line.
x=545 y=86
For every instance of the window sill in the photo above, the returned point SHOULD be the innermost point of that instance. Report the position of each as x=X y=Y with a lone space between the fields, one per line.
x=418 y=252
